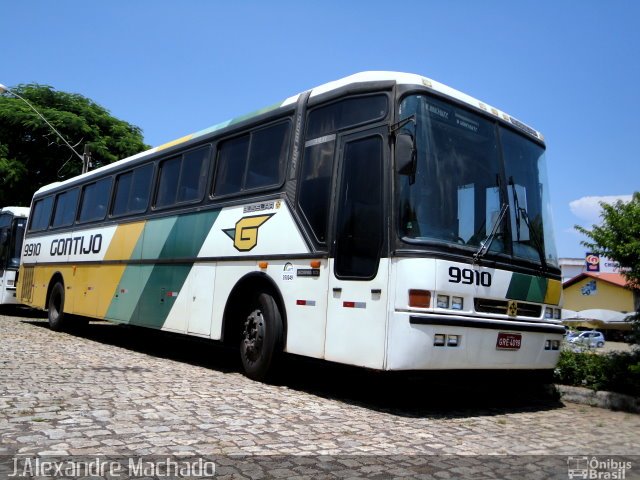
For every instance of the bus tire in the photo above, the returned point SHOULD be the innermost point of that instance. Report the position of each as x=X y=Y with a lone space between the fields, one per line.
x=261 y=340
x=57 y=319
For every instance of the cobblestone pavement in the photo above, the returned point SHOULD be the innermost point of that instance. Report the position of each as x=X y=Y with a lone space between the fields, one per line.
x=115 y=390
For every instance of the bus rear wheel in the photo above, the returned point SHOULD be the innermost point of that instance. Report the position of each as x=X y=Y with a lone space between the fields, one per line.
x=261 y=340
x=57 y=319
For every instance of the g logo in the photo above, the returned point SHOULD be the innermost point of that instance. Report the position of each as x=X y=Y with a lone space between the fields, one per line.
x=245 y=234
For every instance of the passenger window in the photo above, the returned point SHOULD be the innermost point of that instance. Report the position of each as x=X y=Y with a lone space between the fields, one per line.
x=193 y=175
x=65 y=210
x=232 y=158
x=182 y=178
x=41 y=214
x=267 y=155
x=315 y=186
x=168 y=187
x=132 y=191
x=95 y=200
x=254 y=160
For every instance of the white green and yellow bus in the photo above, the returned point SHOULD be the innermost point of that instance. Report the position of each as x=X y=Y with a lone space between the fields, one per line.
x=13 y=222
x=383 y=220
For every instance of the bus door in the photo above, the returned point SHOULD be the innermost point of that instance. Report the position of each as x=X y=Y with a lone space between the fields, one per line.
x=358 y=278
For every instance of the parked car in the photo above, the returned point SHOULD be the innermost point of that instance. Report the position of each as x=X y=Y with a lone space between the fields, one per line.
x=592 y=338
x=570 y=335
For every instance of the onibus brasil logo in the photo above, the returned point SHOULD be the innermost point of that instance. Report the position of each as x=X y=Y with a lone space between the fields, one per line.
x=245 y=233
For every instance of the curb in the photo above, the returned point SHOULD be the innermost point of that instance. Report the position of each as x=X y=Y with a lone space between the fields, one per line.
x=609 y=400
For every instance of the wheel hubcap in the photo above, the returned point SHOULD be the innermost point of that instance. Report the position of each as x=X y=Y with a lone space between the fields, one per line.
x=253 y=334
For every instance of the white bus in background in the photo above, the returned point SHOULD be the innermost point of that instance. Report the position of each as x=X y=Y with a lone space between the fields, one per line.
x=13 y=222
x=383 y=220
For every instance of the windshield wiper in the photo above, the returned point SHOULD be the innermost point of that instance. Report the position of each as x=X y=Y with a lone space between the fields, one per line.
x=484 y=248
x=534 y=231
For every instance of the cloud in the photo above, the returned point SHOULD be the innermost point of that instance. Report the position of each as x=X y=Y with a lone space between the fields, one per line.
x=588 y=208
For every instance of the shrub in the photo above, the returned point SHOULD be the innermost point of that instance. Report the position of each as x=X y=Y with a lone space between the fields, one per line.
x=613 y=372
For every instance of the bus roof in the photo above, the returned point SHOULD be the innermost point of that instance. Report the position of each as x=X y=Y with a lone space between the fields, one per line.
x=16 y=211
x=362 y=77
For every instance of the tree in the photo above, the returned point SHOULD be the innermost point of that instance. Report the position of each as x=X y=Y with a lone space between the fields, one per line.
x=618 y=238
x=32 y=155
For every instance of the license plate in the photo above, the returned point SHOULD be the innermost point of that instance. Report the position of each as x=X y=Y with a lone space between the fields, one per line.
x=509 y=341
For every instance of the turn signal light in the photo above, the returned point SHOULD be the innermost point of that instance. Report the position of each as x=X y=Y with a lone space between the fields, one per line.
x=419 y=298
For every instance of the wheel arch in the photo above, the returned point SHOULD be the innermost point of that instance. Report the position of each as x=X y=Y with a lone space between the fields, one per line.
x=251 y=284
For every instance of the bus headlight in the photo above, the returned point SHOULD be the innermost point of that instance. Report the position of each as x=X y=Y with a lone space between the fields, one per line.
x=438 y=340
x=443 y=301
x=457 y=303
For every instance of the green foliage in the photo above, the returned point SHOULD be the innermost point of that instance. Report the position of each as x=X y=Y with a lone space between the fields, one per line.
x=613 y=372
x=32 y=155
x=618 y=238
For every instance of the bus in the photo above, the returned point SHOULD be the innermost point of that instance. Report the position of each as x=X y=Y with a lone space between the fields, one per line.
x=13 y=221
x=383 y=220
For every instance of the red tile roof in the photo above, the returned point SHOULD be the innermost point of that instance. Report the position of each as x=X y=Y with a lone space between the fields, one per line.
x=613 y=278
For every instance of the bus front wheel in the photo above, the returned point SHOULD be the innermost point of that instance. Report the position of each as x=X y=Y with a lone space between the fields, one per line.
x=261 y=339
x=56 y=307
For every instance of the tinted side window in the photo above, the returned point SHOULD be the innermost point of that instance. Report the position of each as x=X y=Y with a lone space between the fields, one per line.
x=65 y=211
x=121 y=197
x=182 y=178
x=254 y=160
x=41 y=214
x=315 y=186
x=232 y=159
x=193 y=175
x=267 y=155
x=132 y=191
x=168 y=187
x=95 y=200
x=346 y=113
x=360 y=217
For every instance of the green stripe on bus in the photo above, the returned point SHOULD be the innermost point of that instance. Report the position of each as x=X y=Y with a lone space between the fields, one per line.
x=160 y=293
x=146 y=293
x=123 y=305
x=188 y=234
x=527 y=288
x=153 y=238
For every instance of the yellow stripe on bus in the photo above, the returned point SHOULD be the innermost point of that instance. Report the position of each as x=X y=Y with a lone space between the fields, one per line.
x=174 y=142
x=124 y=241
x=554 y=289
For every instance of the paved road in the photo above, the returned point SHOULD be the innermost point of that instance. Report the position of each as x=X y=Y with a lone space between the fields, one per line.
x=114 y=390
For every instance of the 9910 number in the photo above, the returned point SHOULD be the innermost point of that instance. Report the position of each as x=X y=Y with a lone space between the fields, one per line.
x=31 y=249
x=469 y=277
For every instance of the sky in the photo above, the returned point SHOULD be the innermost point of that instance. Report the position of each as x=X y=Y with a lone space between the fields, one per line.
x=569 y=69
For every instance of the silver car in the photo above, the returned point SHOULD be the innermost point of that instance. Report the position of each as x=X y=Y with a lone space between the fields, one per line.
x=592 y=338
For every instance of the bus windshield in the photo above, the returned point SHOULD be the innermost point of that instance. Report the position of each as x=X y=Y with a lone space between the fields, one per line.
x=474 y=177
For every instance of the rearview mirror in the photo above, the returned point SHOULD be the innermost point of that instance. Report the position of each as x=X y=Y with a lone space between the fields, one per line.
x=405 y=155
